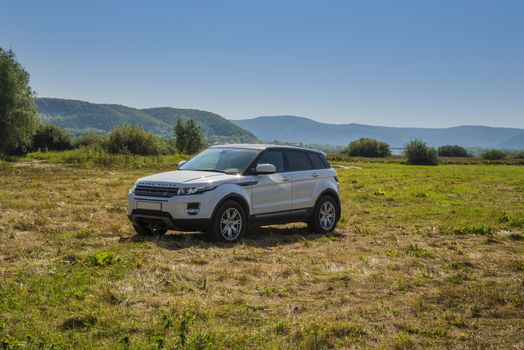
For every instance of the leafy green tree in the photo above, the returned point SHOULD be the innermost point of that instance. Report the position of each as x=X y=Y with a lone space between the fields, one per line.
x=91 y=139
x=195 y=140
x=452 y=151
x=494 y=154
x=18 y=119
x=180 y=135
x=189 y=138
x=517 y=155
x=50 y=137
x=419 y=153
x=131 y=139
x=367 y=147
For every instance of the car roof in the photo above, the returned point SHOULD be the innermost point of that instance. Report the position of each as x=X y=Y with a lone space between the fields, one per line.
x=259 y=146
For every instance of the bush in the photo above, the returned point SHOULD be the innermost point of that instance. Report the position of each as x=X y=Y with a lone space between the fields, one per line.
x=4 y=165
x=419 y=153
x=494 y=154
x=452 y=151
x=51 y=138
x=131 y=139
x=366 y=147
x=517 y=155
x=91 y=139
x=97 y=156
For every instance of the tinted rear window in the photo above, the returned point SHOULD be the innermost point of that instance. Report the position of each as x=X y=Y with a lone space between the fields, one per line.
x=317 y=161
x=273 y=157
x=297 y=161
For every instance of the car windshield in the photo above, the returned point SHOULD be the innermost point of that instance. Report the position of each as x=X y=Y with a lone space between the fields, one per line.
x=224 y=160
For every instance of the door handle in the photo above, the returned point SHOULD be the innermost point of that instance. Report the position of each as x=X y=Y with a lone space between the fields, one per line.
x=285 y=178
x=314 y=175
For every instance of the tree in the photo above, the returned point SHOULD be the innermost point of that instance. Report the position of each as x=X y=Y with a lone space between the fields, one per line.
x=180 y=135
x=517 y=155
x=18 y=119
x=366 y=147
x=50 y=137
x=419 y=153
x=91 y=139
x=195 y=141
x=131 y=139
x=494 y=154
x=452 y=151
x=189 y=138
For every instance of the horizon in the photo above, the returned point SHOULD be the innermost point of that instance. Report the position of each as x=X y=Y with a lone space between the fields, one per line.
x=380 y=64
x=287 y=115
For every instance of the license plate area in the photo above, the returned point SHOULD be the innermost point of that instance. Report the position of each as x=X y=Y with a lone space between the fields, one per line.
x=149 y=205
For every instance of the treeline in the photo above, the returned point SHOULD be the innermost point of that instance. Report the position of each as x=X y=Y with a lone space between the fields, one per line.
x=21 y=131
x=418 y=152
x=125 y=139
x=318 y=146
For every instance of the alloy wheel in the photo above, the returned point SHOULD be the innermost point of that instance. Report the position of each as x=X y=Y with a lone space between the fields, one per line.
x=231 y=224
x=327 y=215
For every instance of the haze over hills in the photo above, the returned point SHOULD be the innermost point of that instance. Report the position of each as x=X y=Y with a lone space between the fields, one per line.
x=300 y=129
x=81 y=117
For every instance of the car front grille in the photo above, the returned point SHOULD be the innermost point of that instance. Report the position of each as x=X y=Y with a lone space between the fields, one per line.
x=156 y=191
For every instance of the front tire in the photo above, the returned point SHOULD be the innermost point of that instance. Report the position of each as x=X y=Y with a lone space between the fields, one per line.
x=229 y=224
x=142 y=230
x=325 y=215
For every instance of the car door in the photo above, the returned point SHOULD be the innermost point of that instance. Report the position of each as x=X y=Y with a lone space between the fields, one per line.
x=303 y=177
x=272 y=193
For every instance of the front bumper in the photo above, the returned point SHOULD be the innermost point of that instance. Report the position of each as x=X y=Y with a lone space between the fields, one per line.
x=144 y=217
x=174 y=213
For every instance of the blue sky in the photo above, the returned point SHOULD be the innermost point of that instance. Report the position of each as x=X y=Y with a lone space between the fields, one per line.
x=396 y=63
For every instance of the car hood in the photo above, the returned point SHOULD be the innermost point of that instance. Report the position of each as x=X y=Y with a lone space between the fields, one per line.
x=189 y=177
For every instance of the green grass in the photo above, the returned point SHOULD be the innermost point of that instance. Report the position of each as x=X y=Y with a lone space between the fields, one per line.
x=94 y=157
x=421 y=258
x=399 y=159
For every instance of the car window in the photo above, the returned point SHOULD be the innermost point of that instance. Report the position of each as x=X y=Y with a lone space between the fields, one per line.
x=325 y=161
x=230 y=160
x=273 y=157
x=298 y=161
x=316 y=160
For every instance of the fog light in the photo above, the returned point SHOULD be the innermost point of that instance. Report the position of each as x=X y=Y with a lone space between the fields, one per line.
x=193 y=208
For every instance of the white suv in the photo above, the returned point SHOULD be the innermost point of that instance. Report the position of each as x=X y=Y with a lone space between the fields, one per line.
x=225 y=189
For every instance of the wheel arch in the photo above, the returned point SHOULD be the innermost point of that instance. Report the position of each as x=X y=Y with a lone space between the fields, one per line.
x=331 y=193
x=236 y=198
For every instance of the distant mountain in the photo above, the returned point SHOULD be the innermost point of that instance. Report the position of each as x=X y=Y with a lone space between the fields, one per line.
x=300 y=129
x=81 y=117
x=211 y=123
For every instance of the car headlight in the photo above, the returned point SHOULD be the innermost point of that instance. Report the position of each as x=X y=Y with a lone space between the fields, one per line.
x=183 y=191
x=132 y=188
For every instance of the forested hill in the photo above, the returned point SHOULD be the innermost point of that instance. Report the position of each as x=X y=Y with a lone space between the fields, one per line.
x=300 y=129
x=81 y=117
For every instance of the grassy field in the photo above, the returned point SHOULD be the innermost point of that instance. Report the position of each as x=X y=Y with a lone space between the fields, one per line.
x=423 y=257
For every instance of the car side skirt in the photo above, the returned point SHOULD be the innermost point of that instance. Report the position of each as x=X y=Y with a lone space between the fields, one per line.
x=165 y=220
x=282 y=217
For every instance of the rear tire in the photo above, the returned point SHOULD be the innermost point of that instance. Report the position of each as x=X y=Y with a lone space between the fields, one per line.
x=325 y=216
x=229 y=223
x=148 y=230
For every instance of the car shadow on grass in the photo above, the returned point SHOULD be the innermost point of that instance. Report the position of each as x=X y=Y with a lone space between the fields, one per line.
x=262 y=237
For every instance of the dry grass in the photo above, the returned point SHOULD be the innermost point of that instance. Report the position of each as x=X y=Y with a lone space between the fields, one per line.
x=423 y=257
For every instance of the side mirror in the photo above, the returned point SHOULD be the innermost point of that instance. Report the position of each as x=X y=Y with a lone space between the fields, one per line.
x=182 y=162
x=265 y=169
